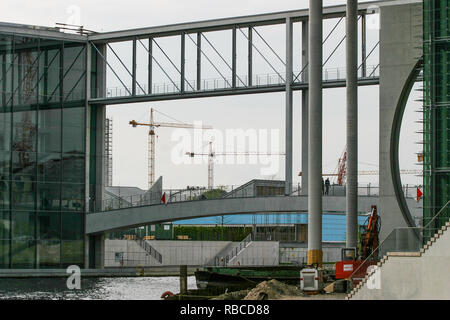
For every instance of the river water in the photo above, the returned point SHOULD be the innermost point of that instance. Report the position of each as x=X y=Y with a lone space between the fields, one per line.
x=127 y=288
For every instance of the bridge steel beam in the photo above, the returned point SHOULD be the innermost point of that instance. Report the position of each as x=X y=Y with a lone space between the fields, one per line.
x=266 y=19
x=352 y=123
x=315 y=134
x=224 y=92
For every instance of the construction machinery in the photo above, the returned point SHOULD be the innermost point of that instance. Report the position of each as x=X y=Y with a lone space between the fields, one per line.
x=355 y=261
x=211 y=155
x=151 y=139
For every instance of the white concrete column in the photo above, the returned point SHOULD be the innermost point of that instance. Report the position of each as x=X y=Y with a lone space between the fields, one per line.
x=352 y=122
x=305 y=126
x=315 y=134
x=289 y=111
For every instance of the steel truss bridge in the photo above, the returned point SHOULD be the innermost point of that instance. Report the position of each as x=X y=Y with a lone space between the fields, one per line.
x=227 y=80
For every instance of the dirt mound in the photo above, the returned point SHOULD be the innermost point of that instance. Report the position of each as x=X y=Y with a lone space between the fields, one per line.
x=272 y=289
x=237 y=295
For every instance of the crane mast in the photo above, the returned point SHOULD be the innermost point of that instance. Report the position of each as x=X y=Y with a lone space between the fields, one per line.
x=211 y=155
x=151 y=140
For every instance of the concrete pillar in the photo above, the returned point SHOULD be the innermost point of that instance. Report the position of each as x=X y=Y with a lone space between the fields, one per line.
x=183 y=280
x=96 y=251
x=289 y=101
x=305 y=92
x=352 y=123
x=95 y=131
x=315 y=134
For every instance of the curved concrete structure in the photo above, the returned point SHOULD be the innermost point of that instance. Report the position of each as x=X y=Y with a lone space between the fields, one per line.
x=400 y=51
x=97 y=223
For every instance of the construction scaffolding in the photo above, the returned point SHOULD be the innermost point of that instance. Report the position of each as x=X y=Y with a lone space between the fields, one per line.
x=436 y=157
x=108 y=152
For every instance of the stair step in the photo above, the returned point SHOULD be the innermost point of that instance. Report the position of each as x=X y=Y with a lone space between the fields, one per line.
x=404 y=254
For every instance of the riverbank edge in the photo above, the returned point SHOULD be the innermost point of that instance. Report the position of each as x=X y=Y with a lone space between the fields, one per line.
x=107 y=272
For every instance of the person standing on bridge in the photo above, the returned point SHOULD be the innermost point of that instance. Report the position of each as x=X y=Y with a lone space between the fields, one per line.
x=327 y=186
x=323 y=189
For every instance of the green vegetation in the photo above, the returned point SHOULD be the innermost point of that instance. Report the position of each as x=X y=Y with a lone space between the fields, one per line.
x=213 y=233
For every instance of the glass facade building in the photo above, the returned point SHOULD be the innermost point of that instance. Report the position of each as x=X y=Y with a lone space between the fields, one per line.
x=42 y=152
x=436 y=112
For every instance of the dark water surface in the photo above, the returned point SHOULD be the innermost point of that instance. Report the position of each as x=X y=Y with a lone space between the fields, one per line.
x=127 y=288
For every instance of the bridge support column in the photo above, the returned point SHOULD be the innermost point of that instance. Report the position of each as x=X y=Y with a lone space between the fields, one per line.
x=315 y=134
x=305 y=92
x=96 y=251
x=352 y=122
x=289 y=102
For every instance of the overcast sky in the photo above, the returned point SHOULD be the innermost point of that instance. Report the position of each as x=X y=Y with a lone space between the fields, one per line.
x=239 y=112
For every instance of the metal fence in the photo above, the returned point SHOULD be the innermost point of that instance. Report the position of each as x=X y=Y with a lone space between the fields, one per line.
x=222 y=192
x=212 y=84
x=406 y=239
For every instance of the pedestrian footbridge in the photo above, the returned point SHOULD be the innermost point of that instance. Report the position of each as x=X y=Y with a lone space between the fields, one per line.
x=135 y=216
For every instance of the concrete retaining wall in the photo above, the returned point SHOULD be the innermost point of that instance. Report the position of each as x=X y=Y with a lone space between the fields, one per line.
x=299 y=255
x=173 y=252
x=258 y=253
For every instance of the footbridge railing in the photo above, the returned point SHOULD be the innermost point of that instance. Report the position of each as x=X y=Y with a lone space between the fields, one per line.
x=199 y=194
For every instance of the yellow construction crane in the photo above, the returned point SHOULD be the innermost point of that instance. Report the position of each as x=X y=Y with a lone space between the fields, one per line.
x=151 y=141
x=211 y=155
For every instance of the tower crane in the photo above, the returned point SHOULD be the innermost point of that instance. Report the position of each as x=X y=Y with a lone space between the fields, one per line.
x=151 y=139
x=211 y=155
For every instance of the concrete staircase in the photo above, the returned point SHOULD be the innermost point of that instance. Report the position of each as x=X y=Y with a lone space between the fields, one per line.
x=410 y=275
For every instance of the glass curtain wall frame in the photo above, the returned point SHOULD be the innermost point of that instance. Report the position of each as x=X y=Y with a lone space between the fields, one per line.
x=42 y=152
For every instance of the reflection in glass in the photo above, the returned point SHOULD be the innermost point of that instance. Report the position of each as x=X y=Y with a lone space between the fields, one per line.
x=49 y=196
x=72 y=253
x=49 y=225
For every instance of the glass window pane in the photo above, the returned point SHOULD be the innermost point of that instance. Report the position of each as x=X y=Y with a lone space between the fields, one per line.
x=5 y=225
x=5 y=161
x=72 y=226
x=23 y=225
x=4 y=195
x=49 y=130
x=49 y=196
x=49 y=225
x=4 y=253
x=72 y=253
x=73 y=168
x=73 y=130
x=5 y=130
x=23 y=195
x=24 y=131
x=23 y=254
x=24 y=166
x=49 y=167
x=72 y=197
x=54 y=72
x=48 y=254
x=74 y=69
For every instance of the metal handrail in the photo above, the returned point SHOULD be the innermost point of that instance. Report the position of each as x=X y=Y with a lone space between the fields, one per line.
x=410 y=228
x=181 y=195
